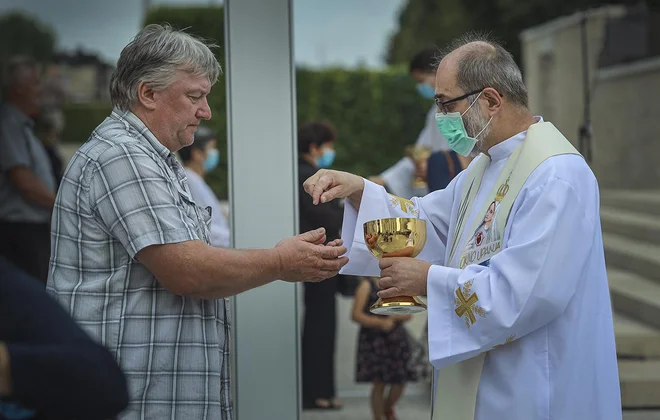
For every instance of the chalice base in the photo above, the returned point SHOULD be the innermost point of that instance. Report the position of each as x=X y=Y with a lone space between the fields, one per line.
x=400 y=305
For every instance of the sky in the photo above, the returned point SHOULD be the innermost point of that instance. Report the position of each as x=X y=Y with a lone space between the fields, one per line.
x=342 y=33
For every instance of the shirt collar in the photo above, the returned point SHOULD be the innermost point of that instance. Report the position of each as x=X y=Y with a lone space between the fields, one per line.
x=131 y=121
x=505 y=149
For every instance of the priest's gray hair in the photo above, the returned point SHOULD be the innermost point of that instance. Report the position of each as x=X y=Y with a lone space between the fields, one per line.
x=154 y=56
x=485 y=63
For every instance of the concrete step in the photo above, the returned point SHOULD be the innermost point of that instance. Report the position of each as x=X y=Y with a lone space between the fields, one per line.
x=631 y=225
x=635 y=297
x=645 y=201
x=640 y=383
x=635 y=340
x=638 y=257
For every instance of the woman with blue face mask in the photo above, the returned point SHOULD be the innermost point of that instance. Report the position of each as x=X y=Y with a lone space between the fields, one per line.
x=316 y=142
x=199 y=159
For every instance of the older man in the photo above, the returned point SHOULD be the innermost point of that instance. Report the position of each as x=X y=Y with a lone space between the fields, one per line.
x=520 y=323
x=27 y=184
x=131 y=255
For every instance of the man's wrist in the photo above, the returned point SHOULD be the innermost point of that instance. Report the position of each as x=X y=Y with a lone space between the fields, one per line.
x=5 y=371
x=275 y=263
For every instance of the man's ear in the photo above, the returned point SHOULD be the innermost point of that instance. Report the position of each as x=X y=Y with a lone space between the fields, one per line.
x=146 y=96
x=494 y=100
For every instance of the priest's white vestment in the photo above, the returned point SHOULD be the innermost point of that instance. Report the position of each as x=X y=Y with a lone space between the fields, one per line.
x=543 y=315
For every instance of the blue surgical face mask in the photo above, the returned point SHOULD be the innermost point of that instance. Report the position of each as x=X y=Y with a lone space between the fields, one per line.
x=451 y=126
x=212 y=160
x=326 y=159
x=427 y=91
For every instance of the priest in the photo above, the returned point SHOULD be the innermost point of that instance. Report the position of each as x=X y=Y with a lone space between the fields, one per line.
x=520 y=322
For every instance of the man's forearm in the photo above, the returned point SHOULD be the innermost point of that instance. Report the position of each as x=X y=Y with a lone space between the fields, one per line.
x=233 y=271
x=5 y=371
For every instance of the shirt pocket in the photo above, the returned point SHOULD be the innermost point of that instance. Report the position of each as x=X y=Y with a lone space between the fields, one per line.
x=199 y=218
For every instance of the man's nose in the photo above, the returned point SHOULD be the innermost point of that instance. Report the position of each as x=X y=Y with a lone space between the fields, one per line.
x=204 y=111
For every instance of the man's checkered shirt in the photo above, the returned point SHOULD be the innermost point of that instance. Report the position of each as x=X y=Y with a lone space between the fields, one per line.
x=124 y=191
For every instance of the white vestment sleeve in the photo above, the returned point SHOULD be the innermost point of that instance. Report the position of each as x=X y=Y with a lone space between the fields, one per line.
x=376 y=203
x=526 y=285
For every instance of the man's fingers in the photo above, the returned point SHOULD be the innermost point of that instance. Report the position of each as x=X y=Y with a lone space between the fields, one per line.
x=331 y=194
x=385 y=263
x=322 y=184
x=336 y=242
x=308 y=185
x=334 y=264
x=390 y=293
x=313 y=236
x=332 y=252
x=385 y=282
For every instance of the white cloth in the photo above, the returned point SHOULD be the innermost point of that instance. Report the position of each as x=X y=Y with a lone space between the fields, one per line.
x=399 y=177
x=204 y=197
x=545 y=294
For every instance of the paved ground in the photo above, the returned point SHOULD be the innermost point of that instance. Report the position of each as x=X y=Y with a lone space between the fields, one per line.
x=417 y=408
x=409 y=408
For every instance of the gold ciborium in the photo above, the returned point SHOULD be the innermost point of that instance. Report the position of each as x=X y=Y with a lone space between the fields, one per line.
x=396 y=237
x=419 y=155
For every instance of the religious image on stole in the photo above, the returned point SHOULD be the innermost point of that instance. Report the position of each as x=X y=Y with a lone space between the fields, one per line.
x=486 y=239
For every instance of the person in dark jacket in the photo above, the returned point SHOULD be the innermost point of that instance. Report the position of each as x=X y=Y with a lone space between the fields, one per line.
x=442 y=167
x=49 y=367
x=316 y=150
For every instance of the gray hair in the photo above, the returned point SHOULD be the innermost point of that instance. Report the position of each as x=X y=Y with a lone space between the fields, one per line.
x=16 y=69
x=154 y=56
x=488 y=64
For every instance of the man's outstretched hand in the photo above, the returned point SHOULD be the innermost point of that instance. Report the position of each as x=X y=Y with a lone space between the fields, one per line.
x=326 y=185
x=305 y=258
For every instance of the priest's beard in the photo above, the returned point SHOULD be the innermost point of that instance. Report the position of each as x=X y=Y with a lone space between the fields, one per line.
x=475 y=122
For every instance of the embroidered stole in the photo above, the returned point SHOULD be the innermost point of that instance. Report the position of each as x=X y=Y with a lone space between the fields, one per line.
x=455 y=386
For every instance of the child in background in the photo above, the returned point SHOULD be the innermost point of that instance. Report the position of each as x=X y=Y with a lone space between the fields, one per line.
x=383 y=351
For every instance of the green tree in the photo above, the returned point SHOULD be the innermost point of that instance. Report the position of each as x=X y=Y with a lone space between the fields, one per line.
x=436 y=22
x=21 y=34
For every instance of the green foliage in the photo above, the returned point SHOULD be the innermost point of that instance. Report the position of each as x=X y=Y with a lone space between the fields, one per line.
x=25 y=35
x=424 y=23
x=82 y=119
x=376 y=114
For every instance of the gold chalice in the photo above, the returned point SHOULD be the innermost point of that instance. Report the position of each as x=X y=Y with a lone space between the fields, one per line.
x=419 y=155
x=396 y=237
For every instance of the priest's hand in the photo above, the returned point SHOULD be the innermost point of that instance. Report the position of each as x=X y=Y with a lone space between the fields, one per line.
x=305 y=258
x=326 y=185
x=403 y=277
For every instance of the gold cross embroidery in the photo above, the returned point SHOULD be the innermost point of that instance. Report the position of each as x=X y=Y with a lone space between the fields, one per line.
x=467 y=306
x=406 y=205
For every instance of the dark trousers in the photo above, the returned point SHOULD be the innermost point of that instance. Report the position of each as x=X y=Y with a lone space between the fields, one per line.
x=27 y=246
x=318 y=341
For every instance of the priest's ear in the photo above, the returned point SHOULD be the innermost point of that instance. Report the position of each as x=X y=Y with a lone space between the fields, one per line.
x=494 y=99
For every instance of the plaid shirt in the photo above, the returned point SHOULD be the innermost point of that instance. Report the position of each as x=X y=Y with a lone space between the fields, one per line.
x=124 y=191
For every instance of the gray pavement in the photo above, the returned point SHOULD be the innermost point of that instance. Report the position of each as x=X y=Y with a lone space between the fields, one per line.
x=417 y=408
x=409 y=408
